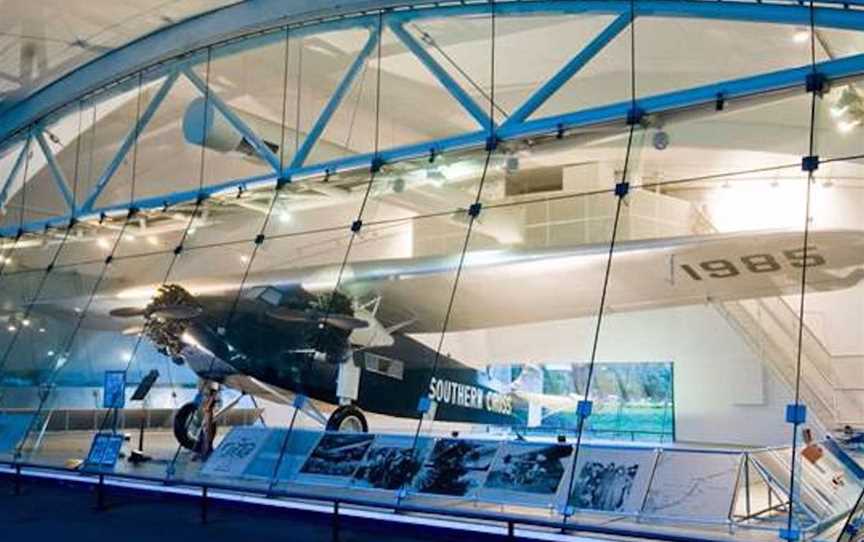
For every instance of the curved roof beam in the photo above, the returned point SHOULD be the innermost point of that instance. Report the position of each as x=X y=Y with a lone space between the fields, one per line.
x=247 y=17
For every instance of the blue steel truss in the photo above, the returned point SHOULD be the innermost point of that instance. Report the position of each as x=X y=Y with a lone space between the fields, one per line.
x=518 y=125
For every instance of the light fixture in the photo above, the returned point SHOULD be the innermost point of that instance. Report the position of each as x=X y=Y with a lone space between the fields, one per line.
x=103 y=243
x=285 y=217
x=25 y=322
x=11 y=328
x=41 y=330
x=153 y=240
x=244 y=258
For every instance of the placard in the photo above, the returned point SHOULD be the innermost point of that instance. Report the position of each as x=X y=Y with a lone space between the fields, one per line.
x=613 y=480
x=236 y=452
x=455 y=467
x=104 y=451
x=694 y=485
x=527 y=473
x=114 y=389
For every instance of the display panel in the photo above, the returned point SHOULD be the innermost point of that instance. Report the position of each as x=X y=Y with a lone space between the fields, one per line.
x=456 y=468
x=611 y=480
x=690 y=485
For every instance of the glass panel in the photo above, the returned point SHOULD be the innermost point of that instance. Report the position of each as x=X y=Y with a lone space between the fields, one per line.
x=323 y=61
x=402 y=77
x=46 y=41
x=163 y=137
x=86 y=138
x=249 y=78
x=87 y=340
x=679 y=53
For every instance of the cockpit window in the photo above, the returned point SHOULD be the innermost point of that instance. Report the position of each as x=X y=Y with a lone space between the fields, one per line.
x=271 y=296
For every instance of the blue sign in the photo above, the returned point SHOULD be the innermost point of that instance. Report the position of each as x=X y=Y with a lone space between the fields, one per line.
x=104 y=451
x=114 y=391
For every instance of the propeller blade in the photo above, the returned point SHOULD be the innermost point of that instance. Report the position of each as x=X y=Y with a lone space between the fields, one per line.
x=345 y=322
x=177 y=312
x=127 y=312
x=291 y=315
x=134 y=330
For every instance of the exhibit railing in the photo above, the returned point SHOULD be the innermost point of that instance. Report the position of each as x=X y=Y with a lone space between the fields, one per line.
x=732 y=491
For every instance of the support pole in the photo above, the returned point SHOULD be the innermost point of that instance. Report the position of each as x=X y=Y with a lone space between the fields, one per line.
x=204 y=504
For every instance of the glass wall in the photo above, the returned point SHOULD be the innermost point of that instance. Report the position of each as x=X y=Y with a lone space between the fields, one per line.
x=320 y=258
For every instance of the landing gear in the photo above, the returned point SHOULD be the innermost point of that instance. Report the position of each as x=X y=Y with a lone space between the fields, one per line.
x=187 y=426
x=195 y=424
x=348 y=419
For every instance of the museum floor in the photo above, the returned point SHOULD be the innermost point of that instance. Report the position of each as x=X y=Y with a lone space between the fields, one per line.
x=50 y=512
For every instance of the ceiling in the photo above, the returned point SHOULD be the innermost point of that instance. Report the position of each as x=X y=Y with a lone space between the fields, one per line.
x=43 y=40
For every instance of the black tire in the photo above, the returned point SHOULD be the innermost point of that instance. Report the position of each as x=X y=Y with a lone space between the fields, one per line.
x=182 y=422
x=347 y=414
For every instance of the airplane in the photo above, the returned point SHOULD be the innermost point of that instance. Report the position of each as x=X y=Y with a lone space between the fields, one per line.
x=342 y=343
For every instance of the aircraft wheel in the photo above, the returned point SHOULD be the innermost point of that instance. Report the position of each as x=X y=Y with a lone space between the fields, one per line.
x=187 y=426
x=348 y=419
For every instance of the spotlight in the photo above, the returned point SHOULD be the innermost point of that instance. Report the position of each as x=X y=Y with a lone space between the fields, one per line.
x=801 y=35
x=660 y=140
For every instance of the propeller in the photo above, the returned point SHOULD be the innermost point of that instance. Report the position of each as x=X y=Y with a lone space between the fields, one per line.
x=348 y=323
x=134 y=330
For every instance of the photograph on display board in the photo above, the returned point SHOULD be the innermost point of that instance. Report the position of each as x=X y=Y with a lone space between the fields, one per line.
x=338 y=454
x=693 y=485
x=529 y=468
x=391 y=463
x=612 y=479
x=456 y=467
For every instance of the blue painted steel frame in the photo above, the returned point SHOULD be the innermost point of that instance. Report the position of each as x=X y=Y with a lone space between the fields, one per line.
x=56 y=172
x=128 y=142
x=172 y=44
x=568 y=71
x=441 y=75
x=516 y=126
x=336 y=99
x=235 y=121
x=19 y=161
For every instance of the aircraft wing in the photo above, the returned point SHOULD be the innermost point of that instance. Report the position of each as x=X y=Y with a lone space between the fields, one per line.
x=506 y=287
x=512 y=286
